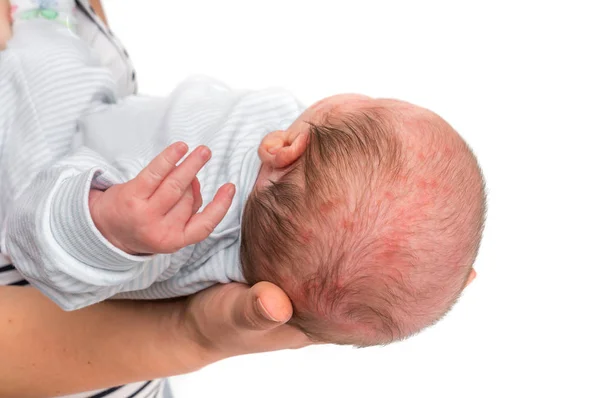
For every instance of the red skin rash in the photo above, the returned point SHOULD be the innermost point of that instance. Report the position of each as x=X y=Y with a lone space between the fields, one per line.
x=307 y=236
x=326 y=207
x=348 y=225
x=421 y=184
x=424 y=184
x=329 y=206
x=391 y=244
x=385 y=257
x=389 y=196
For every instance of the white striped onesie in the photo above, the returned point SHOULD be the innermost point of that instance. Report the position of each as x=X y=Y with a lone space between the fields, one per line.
x=63 y=132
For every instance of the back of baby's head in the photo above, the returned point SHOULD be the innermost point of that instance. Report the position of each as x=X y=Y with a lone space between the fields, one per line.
x=373 y=231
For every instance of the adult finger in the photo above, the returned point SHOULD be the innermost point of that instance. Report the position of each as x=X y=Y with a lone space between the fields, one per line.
x=151 y=177
x=286 y=337
x=202 y=224
x=263 y=307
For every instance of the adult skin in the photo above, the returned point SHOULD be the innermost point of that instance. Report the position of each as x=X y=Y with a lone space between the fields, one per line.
x=97 y=6
x=47 y=352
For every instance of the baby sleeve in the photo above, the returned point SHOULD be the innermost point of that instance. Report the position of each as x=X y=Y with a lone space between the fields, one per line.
x=48 y=79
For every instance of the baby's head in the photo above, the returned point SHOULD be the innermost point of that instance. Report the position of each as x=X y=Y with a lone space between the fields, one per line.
x=368 y=213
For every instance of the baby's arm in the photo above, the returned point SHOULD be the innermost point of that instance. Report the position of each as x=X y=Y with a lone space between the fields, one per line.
x=50 y=78
x=73 y=231
x=157 y=211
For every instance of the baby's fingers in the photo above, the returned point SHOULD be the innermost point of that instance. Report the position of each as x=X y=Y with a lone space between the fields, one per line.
x=203 y=224
x=177 y=182
x=159 y=168
x=197 y=195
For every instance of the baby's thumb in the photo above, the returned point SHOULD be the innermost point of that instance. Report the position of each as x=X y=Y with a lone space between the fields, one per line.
x=263 y=307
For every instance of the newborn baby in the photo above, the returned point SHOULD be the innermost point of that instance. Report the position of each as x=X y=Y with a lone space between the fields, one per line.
x=369 y=217
x=367 y=212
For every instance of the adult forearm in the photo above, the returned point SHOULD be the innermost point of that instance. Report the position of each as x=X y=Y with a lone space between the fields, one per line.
x=97 y=7
x=46 y=351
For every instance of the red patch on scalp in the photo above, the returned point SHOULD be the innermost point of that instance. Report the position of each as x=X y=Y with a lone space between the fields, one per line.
x=348 y=225
x=326 y=207
x=389 y=196
x=306 y=236
x=390 y=248
x=421 y=156
x=386 y=257
x=424 y=184
x=330 y=205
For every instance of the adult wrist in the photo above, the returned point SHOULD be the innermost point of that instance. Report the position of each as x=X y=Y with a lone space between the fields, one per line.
x=190 y=347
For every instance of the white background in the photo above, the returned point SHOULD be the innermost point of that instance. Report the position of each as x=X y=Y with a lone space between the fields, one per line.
x=520 y=81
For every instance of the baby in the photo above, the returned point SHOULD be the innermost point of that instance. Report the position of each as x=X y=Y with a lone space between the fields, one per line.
x=367 y=212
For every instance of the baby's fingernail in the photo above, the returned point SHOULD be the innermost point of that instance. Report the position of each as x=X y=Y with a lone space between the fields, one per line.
x=264 y=311
x=180 y=147
x=231 y=190
x=205 y=153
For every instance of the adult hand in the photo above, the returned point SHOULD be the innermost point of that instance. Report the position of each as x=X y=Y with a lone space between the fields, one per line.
x=118 y=342
x=235 y=319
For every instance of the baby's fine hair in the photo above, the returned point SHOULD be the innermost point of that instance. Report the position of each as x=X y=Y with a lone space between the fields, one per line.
x=373 y=231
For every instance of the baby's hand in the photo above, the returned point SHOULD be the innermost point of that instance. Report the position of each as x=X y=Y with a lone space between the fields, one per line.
x=156 y=211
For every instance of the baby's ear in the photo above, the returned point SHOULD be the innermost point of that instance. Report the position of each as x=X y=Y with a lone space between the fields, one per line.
x=471 y=277
x=280 y=149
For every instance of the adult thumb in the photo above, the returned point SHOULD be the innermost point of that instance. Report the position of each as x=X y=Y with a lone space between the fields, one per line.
x=262 y=307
